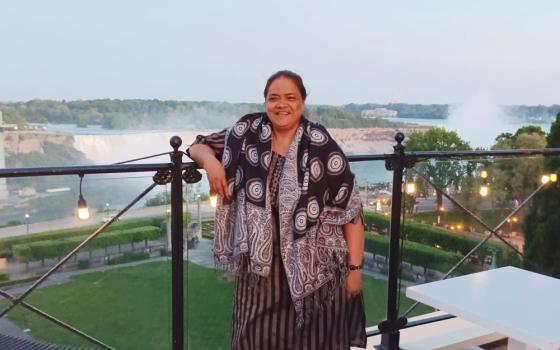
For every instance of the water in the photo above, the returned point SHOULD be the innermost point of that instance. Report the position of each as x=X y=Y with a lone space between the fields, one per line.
x=478 y=125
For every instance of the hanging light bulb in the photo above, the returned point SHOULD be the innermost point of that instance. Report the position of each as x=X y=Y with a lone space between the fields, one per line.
x=410 y=187
x=484 y=190
x=213 y=201
x=83 y=210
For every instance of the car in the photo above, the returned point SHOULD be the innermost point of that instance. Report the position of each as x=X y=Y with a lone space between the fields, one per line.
x=108 y=218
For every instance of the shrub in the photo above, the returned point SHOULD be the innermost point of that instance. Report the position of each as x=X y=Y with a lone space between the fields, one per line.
x=4 y=276
x=450 y=241
x=56 y=248
x=6 y=244
x=128 y=257
x=83 y=264
x=414 y=253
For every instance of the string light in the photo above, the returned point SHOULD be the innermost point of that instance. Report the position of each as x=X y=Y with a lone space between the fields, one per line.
x=545 y=179
x=484 y=174
x=83 y=210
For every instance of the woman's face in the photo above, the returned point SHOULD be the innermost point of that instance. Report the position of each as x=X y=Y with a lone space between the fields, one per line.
x=284 y=104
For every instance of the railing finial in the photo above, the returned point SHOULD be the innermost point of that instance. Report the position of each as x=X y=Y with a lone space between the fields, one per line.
x=399 y=137
x=175 y=142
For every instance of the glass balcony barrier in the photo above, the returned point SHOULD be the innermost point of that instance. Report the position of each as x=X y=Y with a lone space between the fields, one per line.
x=113 y=292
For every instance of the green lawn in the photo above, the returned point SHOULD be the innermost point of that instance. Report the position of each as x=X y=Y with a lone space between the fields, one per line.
x=130 y=308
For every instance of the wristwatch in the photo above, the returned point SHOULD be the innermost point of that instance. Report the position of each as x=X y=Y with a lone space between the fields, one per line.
x=355 y=267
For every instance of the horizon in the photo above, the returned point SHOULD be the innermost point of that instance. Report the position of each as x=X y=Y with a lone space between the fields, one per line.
x=432 y=52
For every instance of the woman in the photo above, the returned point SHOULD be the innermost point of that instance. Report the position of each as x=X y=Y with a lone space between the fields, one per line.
x=289 y=224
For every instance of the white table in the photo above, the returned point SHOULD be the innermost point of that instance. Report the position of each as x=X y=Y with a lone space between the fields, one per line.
x=522 y=305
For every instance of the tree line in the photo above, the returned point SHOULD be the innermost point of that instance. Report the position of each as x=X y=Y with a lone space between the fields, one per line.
x=145 y=114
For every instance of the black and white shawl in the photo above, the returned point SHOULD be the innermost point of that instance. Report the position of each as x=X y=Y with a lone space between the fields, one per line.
x=317 y=195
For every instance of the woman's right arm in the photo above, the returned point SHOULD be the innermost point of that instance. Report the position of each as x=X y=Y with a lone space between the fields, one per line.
x=206 y=152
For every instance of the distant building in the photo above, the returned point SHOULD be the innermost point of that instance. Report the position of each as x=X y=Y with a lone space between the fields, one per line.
x=379 y=113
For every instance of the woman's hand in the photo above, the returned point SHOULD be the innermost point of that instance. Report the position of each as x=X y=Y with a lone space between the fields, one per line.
x=216 y=177
x=353 y=283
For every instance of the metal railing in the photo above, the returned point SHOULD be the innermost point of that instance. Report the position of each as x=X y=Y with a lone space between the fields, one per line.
x=176 y=171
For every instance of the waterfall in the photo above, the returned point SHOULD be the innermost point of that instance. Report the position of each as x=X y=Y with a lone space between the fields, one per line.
x=106 y=149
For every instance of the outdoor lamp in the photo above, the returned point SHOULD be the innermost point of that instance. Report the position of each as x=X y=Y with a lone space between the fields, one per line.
x=213 y=201
x=83 y=210
x=484 y=190
x=484 y=174
x=545 y=179
x=410 y=187
x=553 y=177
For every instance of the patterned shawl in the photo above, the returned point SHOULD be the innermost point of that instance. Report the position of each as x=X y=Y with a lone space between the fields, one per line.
x=317 y=195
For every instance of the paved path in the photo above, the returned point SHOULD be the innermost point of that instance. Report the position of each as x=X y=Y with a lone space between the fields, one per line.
x=206 y=211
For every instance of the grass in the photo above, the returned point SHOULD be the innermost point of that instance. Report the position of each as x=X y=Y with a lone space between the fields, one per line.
x=130 y=308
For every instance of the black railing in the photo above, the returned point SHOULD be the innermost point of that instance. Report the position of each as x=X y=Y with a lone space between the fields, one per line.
x=176 y=172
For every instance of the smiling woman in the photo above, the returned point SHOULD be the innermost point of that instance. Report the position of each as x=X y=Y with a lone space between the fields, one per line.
x=289 y=225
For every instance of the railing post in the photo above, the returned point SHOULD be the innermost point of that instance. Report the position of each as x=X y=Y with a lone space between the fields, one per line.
x=177 y=295
x=390 y=327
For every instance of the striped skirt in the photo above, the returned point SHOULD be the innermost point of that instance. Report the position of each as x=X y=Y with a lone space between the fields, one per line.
x=264 y=316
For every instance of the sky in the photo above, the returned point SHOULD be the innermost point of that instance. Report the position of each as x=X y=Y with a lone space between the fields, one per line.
x=218 y=50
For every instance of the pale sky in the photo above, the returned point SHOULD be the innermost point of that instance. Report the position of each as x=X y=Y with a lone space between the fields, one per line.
x=347 y=51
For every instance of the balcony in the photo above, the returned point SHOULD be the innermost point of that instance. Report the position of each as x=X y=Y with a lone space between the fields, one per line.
x=139 y=274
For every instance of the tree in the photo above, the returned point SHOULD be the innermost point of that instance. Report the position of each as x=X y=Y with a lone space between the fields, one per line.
x=515 y=179
x=442 y=173
x=541 y=223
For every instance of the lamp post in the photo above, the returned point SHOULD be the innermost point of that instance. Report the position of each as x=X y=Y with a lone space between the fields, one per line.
x=510 y=222
x=198 y=217
x=107 y=207
x=439 y=211
x=27 y=223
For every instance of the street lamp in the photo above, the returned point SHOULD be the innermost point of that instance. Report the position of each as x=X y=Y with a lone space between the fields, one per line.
x=213 y=201
x=546 y=178
x=510 y=221
x=27 y=222
x=107 y=207
x=198 y=216
x=484 y=189
x=410 y=187
x=439 y=211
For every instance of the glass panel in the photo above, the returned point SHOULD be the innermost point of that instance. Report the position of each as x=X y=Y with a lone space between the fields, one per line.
x=506 y=194
x=209 y=294
x=117 y=288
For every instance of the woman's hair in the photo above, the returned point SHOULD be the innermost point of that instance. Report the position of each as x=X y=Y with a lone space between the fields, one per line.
x=290 y=75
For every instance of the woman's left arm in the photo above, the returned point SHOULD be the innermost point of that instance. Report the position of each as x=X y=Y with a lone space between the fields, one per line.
x=354 y=236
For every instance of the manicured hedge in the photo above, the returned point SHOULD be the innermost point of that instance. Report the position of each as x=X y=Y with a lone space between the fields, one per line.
x=4 y=276
x=414 y=253
x=6 y=244
x=40 y=250
x=450 y=241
